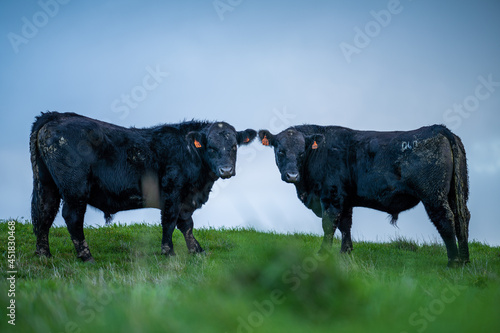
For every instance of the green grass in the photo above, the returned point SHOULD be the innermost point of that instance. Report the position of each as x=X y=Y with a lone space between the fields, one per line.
x=249 y=281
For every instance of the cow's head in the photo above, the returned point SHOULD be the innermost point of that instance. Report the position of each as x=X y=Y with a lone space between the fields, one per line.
x=217 y=147
x=291 y=148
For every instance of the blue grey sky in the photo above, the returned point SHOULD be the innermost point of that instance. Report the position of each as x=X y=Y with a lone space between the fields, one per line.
x=379 y=65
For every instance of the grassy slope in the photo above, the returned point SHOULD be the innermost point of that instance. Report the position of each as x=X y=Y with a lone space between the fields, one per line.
x=249 y=282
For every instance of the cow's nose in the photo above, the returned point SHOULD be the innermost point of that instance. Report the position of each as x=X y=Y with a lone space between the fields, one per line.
x=292 y=177
x=226 y=172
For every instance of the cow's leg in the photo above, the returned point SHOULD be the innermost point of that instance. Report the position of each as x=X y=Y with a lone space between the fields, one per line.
x=73 y=212
x=330 y=219
x=186 y=227
x=345 y=228
x=463 y=237
x=462 y=217
x=168 y=221
x=44 y=206
x=442 y=217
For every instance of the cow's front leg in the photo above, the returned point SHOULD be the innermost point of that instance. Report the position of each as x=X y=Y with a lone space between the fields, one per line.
x=345 y=228
x=330 y=218
x=186 y=227
x=169 y=215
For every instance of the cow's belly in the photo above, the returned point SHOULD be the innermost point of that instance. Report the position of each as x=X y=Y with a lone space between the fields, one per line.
x=392 y=203
x=112 y=202
x=123 y=189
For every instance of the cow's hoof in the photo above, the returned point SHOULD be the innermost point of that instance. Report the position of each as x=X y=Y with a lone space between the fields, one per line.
x=43 y=253
x=197 y=250
x=325 y=251
x=200 y=252
x=89 y=260
x=168 y=253
x=346 y=250
x=454 y=263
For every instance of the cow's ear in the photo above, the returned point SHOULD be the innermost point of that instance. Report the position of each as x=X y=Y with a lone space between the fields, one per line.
x=245 y=137
x=266 y=138
x=197 y=139
x=314 y=141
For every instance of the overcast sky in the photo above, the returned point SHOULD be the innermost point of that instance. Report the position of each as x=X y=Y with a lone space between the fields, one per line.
x=380 y=65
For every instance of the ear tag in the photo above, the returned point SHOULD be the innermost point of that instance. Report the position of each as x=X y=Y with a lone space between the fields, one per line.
x=197 y=144
x=314 y=145
x=247 y=139
x=265 y=141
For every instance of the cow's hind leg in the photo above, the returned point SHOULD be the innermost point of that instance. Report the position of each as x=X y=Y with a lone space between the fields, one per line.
x=73 y=212
x=442 y=217
x=44 y=207
x=345 y=228
x=169 y=217
x=463 y=237
x=462 y=217
x=186 y=227
x=330 y=220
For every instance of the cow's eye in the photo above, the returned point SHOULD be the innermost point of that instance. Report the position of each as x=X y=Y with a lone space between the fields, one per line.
x=234 y=148
x=281 y=153
x=211 y=149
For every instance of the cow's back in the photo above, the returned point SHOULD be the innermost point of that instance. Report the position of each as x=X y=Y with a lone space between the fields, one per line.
x=374 y=166
x=101 y=161
x=391 y=166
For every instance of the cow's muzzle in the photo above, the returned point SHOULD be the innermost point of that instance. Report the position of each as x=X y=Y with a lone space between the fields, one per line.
x=291 y=177
x=226 y=172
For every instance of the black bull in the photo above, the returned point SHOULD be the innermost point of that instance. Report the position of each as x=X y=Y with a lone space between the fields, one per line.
x=85 y=161
x=335 y=169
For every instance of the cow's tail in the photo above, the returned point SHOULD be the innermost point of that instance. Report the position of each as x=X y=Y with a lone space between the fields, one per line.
x=45 y=198
x=459 y=194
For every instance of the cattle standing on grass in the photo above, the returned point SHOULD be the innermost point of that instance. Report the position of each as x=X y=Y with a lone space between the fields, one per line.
x=85 y=161
x=335 y=169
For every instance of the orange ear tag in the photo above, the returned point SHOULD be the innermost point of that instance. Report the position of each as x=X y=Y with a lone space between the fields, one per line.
x=246 y=140
x=197 y=144
x=314 y=145
x=265 y=141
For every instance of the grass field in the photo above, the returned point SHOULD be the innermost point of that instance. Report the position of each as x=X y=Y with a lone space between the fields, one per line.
x=248 y=281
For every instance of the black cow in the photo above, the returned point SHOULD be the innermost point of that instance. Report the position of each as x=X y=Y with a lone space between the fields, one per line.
x=85 y=161
x=335 y=169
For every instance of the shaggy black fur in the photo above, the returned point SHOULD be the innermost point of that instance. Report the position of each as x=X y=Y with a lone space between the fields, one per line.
x=84 y=161
x=335 y=169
